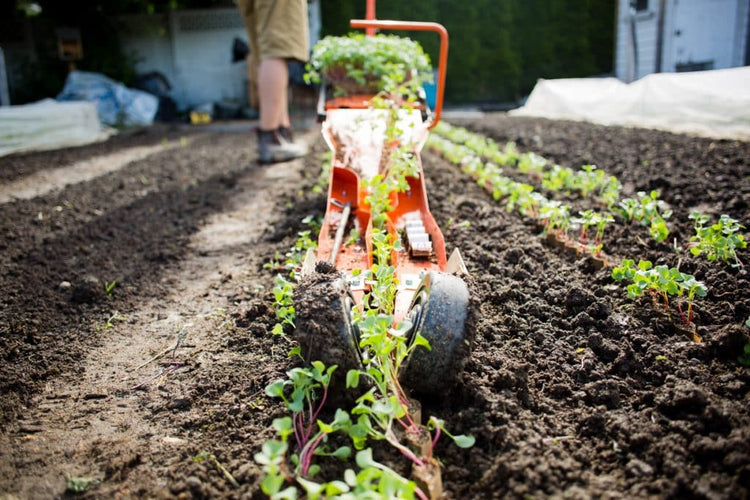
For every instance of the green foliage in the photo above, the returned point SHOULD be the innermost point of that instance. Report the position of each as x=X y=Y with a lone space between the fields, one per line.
x=76 y=484
x=719 y=241
x=359 y=64
x=744 y=358
x=648 y=210
x=283 y=288
x=304 y=393
x=588 y=219
x=556 y=218
x=660 y=281
x=289 y=471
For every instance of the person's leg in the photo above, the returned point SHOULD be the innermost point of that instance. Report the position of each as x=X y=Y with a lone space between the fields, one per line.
x=273 y=77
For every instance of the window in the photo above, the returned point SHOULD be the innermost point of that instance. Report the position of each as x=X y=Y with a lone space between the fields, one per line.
x=639 y=5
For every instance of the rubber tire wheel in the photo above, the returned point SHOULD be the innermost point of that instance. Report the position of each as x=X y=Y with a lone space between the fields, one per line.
x=439 y=313
x=323 y=304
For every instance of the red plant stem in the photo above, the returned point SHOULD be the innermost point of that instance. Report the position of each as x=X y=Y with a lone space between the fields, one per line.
x=405 y=451
x=686 y=320
x=320 y=406
x=434 y=441
x=298 y=430
x=406 y=427
x=421 y=494
x=307 y=453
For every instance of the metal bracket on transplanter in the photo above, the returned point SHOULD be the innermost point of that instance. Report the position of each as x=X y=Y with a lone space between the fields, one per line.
x=308 y=265
x=345 y=212
x=455 y=264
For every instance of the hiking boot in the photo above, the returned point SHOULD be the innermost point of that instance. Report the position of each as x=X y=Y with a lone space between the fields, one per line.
x=273 y=148
x=285 y=133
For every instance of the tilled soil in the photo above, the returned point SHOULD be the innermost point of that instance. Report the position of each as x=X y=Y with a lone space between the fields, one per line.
x=572 y=390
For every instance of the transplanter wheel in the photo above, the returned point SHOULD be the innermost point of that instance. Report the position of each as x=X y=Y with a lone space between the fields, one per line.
x=323 y=303
x=439 y=313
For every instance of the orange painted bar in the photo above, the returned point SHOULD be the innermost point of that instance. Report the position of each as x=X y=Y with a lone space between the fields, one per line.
x=370 y=16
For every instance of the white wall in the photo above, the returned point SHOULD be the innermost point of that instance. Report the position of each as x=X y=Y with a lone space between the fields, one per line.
x=636 y=57
x=193 y=50
x=713 y=32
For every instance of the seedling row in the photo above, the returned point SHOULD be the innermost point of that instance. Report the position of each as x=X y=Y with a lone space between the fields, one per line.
x=484 y=160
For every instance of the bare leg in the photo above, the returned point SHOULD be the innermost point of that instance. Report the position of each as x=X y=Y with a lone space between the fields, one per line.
x=273 y=79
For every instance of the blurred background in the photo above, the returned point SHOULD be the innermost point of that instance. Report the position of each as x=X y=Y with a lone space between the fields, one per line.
x=499 y=49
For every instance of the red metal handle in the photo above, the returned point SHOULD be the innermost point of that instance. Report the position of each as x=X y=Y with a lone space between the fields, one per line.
x=418 y=26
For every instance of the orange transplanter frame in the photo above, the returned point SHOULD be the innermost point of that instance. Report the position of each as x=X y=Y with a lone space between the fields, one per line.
x=347 y=193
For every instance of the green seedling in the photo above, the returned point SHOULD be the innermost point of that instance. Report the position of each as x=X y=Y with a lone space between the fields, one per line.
x=558 y=179
x=77 y=484
x=518 y=195
x=647 y=210
x=719 y=241
x=283 y=291
x=109 y=287
x=556 y=218
x=660 y=281
x=362 y=64
x=530 y=204
x=304 y=393
x=589 y=219
x=532 y=164
x=115 y=316
x=744 y=358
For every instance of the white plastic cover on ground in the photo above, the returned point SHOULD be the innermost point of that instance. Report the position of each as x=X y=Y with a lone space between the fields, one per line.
x=49 y=124
x=708 y=103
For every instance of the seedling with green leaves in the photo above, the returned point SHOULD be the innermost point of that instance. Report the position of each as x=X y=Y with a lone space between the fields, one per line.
x=556 y=218
x=718 y=241
x=368 y=64
x=588 y=219
x=660 y=281
x=648 y=210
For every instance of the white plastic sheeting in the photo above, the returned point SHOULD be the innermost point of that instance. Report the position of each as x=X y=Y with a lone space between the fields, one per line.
x=49 y=124
x=707 y=103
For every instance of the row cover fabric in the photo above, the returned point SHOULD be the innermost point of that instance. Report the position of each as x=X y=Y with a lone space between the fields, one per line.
x=48 y=124
x=116 y=103
x=708 y=103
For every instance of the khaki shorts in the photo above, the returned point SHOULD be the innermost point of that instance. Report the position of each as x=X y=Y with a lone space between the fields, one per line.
x=277 y=28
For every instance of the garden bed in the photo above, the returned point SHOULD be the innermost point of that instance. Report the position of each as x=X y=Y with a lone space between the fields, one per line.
x=572 y=388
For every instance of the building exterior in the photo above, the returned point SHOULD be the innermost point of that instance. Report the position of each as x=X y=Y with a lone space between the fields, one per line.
x=193 y=50
x=655 y=36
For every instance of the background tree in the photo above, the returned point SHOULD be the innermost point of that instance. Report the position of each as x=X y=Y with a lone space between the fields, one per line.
x=500 y=48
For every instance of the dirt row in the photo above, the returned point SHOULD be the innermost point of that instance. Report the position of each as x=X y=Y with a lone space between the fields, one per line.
x=572 y=390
